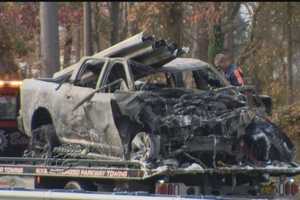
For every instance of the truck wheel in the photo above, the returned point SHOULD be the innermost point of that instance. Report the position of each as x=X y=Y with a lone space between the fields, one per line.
x=144 y=147
x=80 y=186
x=73 y=185
x=43 y=141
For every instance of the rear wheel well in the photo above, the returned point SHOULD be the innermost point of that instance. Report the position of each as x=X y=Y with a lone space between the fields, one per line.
x=40 y=117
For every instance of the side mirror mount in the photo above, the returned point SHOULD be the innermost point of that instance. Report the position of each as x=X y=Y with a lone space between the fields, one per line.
x=90 y=95
x=64 y=80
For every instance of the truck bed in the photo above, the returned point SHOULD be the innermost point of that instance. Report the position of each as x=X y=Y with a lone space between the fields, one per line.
x=124 y=169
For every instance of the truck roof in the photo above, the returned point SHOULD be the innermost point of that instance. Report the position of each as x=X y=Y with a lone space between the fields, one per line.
x=183 y=64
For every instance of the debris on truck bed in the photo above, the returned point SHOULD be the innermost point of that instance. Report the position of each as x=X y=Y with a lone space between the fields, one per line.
x=141 y=48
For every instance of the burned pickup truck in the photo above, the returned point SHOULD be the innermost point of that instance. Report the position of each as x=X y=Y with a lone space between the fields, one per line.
x=139 y=101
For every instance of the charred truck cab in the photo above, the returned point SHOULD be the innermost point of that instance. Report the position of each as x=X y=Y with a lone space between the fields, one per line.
x=10 y=136
x=178 y=118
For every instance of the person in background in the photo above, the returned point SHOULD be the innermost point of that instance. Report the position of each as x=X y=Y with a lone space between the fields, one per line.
x=232 y=72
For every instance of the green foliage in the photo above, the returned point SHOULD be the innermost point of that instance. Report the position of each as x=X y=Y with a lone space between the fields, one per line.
x=21 y=47
x=7 y=64
x=288 y=118
x=216 y=42
x=267 y=48
x=20 y=20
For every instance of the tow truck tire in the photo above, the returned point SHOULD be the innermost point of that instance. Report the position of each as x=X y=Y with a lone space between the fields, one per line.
x=145 y=147
x=73 y=185
x=43 y=141
x=80 y=185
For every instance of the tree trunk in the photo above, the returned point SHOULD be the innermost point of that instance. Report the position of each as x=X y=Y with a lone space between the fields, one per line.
x=87 y=21
x=216 y=36
x=68 y=46
x=195 y=33
x=95 y=27
x=216 y=42
x=203 y=43
x=231 y=12
x=38 y=53
x=37 y=41
x=115 y=20
x=76 y=43
x=124 y=21
x=7 y=64
x=49 y=38
x=175 y=22
x=228 y=40
x=290 y=54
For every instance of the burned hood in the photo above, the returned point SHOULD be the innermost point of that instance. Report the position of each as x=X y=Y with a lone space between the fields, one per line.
x=189 y=113
x=171 y=108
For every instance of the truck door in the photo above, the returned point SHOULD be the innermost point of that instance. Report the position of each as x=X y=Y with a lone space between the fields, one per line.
x=100 y=110
x=76 y=124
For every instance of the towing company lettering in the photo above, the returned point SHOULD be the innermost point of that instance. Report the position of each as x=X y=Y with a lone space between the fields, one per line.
x=11 y=170
x=82 y=172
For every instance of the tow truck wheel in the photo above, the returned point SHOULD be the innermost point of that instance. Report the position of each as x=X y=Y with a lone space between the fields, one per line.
x=144 y=147
x=43 y=141
x=80 y=185
x=73 y=185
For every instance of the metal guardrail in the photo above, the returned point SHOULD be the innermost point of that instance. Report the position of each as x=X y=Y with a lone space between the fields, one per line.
x=63 y=195
x=59 y=195
x=54 y=195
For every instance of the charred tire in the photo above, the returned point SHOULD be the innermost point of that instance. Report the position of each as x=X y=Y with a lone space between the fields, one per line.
x=43 y=141
x=144 y=147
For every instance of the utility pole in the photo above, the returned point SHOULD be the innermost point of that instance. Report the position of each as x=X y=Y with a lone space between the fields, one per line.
x=115 y=20
x=49 y=38
x=87 y=31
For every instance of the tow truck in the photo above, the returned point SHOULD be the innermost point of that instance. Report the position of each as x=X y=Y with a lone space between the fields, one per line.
x=21 y=176
x=12 y=142
x=121 y=177
x=128 y=177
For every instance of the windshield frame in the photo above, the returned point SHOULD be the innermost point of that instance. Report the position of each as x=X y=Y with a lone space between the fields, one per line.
x=180 y=73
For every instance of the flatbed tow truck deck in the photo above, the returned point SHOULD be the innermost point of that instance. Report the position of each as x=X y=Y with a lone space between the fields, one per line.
x=54 y=174
x=123 y=169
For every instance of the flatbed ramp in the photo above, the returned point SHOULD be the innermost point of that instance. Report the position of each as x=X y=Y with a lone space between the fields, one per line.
x=61 y=195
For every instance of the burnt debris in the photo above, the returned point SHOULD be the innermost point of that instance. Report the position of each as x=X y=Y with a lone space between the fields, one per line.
x=123 y=114
x=207 y=127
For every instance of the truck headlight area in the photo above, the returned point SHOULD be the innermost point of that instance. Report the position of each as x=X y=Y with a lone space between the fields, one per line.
x=14 y=84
